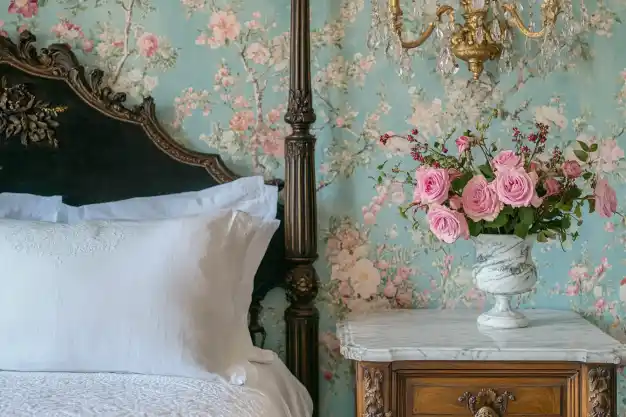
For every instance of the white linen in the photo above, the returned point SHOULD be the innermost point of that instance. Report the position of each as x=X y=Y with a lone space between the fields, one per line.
x=154 y=297
x=273 y=392
x=29 y=207
x=248 y=194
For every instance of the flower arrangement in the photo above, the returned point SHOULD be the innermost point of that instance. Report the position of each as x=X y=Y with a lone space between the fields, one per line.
x=524 y=191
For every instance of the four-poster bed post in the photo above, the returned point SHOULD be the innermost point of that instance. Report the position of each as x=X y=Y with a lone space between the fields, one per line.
x=301 y=209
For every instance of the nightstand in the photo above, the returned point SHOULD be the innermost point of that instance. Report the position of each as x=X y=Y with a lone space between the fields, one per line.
x=439 y=363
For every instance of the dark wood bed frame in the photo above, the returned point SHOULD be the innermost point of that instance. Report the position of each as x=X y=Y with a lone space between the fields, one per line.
x=63 y=131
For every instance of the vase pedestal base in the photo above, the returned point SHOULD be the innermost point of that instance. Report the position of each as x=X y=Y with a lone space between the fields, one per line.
x=502 y=315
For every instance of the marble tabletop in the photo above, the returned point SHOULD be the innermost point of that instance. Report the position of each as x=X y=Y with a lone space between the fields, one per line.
x=433 y=335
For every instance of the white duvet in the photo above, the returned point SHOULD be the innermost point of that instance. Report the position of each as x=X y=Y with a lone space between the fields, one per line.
x=270 y=391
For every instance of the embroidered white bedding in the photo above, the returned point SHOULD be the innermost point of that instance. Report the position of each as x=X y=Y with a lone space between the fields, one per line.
x=271 y=391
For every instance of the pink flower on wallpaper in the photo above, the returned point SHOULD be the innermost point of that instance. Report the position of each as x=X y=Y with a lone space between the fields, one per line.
x=148 y=44
x=258 y=53
x=241 y=102
x=241 y=121
x=273 y=116
x=225 y=26
x=67 y=31
x=273 y=143
x=610 y=153
x=87 y=45
x=606 y=198
x=2 y=31
x=27 y=8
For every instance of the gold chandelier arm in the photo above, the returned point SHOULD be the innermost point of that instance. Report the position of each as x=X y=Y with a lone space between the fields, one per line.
x=550 y=10
x=396 y=12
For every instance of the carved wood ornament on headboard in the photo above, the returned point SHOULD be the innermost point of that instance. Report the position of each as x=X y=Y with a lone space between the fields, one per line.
x=84 y=143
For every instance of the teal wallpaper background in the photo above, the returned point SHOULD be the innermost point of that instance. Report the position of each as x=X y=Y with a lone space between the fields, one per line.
x=218 y=71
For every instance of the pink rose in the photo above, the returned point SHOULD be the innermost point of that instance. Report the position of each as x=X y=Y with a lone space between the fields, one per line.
x=448 y=225
x=462 y=143
x=515 y=187
x=480 y=201
x=572 y=169
x=456 y=202
x=506 y=159
x=606 y=198
x=148 y=44
x=433 y=185
x=552 y=186
x=27 y=8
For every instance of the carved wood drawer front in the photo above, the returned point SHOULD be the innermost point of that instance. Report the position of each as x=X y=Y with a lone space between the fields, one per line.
x=486 y=396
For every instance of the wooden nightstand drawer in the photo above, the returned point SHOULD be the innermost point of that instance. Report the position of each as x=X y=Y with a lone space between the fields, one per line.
x=486 y=392
x=508 y=396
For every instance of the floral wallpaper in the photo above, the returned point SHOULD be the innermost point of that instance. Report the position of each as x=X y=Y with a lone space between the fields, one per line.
x=218 y=71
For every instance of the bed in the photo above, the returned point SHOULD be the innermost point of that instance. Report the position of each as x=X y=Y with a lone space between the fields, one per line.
x=76 y=138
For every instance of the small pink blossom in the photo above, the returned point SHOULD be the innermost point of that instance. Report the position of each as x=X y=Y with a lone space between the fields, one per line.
x=463 y=143
x=241 y=121
x=609 y=227
x=258 y=53
x=240 y=102
x=552 y=187
x=514 y=187
x=610 y=153
x=369 y=218
x=225 y=26
x=571 y=169
x=402 y=274
x=27 y=8
x=506 y=159
x=340 y=121
x=328 y=375
x=447 y=225
x=390 y=290
x=67 y=30
x=148 y=44
x=480 y=201
x=433 y=185
x=606 y=198
x=273 y=116
x=87 y=45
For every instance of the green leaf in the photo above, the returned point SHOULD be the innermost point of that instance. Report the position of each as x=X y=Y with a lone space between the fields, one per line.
x=566 y=223
x=381 y=166
x=582 y=155
x=474 y=227
x=380 y=179
x=592 y=205
x=508 y=210
x=498 y=222
x=486 y=170
x=521 y=230
x=578 y=210
x=587 y=175
x=402 y=211
x=542 y=237
x=460 y=183
x=583 y=146
x=594 y=147
x=527 y=215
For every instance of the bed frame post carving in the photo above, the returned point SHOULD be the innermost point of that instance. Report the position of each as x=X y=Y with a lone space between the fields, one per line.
x=301 y=317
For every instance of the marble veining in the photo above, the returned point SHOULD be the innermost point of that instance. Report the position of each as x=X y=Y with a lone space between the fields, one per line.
x=454 y=335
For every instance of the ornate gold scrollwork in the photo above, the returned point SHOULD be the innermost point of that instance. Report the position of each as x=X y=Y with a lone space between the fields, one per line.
x=487 y=403
x=23 y=116
x=473 y=41
x=373 y=385
x=600 y=392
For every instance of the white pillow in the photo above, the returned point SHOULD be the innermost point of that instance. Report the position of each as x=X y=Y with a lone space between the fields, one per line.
x=248 y=194
x=149 y=297
x=29 y=207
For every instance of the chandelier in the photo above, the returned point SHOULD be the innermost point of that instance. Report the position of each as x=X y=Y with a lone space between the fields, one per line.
x=485 y=34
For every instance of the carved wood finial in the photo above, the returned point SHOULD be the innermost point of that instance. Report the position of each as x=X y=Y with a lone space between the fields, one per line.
x=487 y=403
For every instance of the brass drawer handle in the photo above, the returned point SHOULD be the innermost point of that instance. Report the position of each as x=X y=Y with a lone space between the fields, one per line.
x=487 y=403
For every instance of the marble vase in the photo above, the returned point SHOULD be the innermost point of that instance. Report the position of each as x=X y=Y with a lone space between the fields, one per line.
x=504 y=268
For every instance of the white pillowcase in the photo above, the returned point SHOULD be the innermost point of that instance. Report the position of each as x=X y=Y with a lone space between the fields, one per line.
x=149 y=297
x=248 y=194
x=29 y=207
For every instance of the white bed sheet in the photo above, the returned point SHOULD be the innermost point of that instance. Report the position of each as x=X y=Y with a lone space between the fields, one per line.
x=270 y=391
